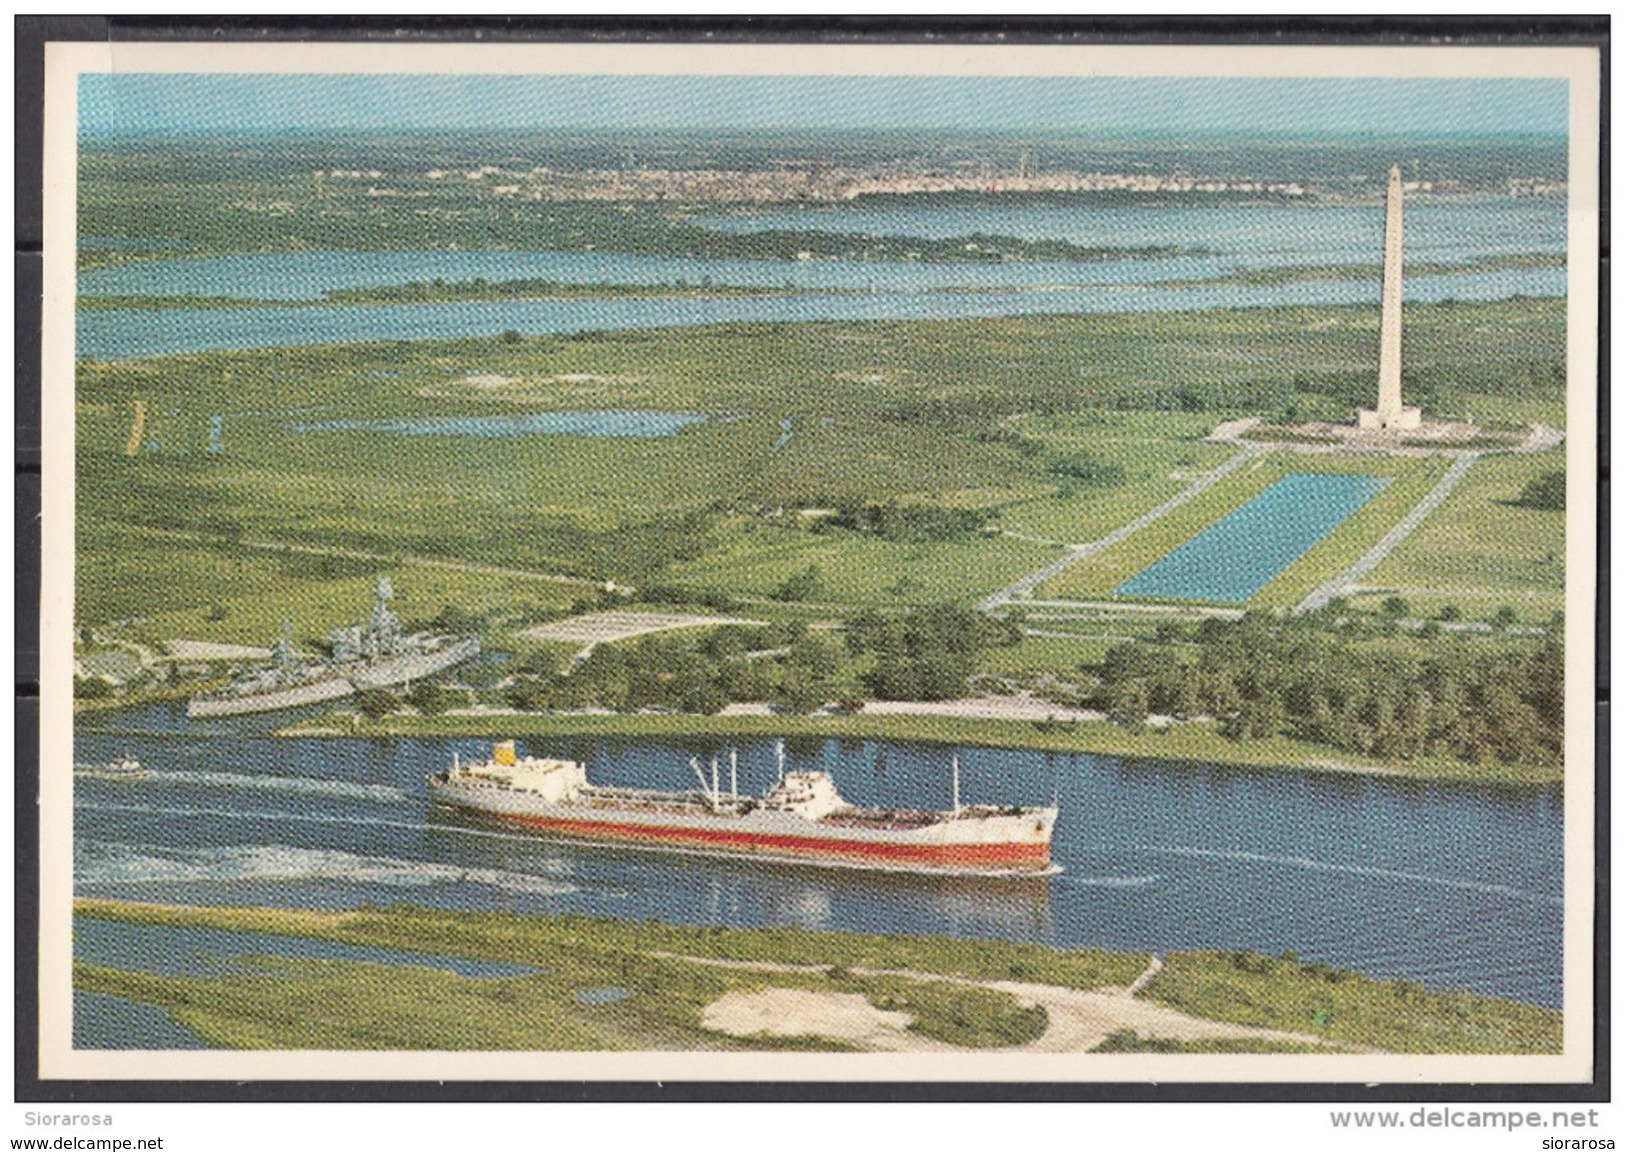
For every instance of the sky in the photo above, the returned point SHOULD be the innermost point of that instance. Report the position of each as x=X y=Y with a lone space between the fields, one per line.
x=123 y=104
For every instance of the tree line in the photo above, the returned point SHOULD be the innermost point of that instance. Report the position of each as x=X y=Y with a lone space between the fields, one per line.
x=1261 y=677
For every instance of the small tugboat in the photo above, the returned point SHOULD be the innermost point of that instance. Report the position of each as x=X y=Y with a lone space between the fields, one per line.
x=122 y=767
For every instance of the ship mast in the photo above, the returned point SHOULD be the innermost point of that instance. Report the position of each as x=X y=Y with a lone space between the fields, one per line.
x=716 y=790
x=781 y=761
x=694 y=763
x=733 y=773
x=956 y=785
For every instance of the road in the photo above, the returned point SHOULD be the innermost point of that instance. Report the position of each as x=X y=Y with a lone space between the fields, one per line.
x=1339 y=585
x=1244 y=453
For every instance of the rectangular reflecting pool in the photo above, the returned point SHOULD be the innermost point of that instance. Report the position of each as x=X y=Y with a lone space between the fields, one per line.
x=1235 y=557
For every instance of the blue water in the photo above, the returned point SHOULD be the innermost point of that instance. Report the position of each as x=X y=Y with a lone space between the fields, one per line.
x=101 y=1021
x=1232 y=559
x=187 y=950
x=1218 y=240
x=123 y=333
x=1241 y=235
x=604 y=994
x=593 y=422
x=1451 y=885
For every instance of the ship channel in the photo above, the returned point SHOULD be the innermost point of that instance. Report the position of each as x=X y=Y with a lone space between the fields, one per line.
x=1450 y=885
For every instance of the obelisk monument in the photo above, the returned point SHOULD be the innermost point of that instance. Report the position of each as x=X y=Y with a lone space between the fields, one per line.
x=1391 y=413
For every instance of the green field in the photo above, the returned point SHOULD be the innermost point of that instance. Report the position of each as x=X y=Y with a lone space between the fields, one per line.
x=257 y=592
x=1482 y=548
x=958 y=414
x=988 y=441
x=753 y=558
x=1159 y=453
x=265 y=1003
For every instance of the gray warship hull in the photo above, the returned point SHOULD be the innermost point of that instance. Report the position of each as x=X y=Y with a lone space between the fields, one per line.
x=336 y=685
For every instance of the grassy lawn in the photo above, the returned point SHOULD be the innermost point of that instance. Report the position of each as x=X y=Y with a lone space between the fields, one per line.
x=126 y=572
x=1394 y=1015
x=1046 y=654
x=1480 y=541
x=1158 y=452
x=753 y=558
x=253 y=593
x=973 y=413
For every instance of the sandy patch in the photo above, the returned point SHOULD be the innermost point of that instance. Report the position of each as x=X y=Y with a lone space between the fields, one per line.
x=1019 y=707
x=799 y=1012
x=602 y=627
x=1078 y=1020
x=489 y=381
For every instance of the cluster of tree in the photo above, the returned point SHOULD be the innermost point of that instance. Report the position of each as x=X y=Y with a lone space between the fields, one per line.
x=908 y=523
x=660 y=592
x=93 y=688
x=1261 y=677
x=804 y=585
x=927 y=654
x=1087 y=469
x=788 y=666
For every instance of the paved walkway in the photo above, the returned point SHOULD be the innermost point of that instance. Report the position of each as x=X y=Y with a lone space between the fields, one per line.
x=1340 y=584
x=1109 y=609
x=1244 y=453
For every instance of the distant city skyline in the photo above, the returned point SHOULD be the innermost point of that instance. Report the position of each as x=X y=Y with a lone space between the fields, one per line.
x=188 y=104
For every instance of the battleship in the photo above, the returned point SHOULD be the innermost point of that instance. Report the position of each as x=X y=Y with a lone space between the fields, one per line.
x=802 y=818
x=364 y=656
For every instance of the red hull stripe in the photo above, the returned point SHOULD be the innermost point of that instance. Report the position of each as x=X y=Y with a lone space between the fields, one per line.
x=947 y=855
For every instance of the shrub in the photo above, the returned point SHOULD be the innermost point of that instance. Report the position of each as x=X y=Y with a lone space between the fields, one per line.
x=1546 y=492
x=376 y=703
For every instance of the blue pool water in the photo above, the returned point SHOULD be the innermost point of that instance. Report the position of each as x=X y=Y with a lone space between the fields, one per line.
x=596 y=422
x=1232 y=559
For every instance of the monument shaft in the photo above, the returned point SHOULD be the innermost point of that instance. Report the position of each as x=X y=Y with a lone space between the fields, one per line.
x=1390 y=415
x=1389 y=402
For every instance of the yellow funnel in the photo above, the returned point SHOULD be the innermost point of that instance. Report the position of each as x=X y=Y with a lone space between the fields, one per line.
x=503 y=753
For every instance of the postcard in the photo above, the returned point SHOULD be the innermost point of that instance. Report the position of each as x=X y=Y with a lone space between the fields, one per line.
x=824 y=562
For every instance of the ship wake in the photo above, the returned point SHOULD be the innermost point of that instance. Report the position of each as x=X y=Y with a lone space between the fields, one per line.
x=105 y=863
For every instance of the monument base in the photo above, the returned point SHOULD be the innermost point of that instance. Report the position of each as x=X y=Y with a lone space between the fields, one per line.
x=1404 y=420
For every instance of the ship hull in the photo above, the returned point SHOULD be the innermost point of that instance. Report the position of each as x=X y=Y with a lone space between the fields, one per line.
x=382 y=674
x=311 y=692
x=1006 y=843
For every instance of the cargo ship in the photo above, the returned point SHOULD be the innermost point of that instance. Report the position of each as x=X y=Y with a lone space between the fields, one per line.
x=364 y=656
x=801 y=818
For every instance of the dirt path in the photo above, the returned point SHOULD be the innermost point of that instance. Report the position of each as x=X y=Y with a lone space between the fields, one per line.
x=1078 y=1020
x=1145 y=977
